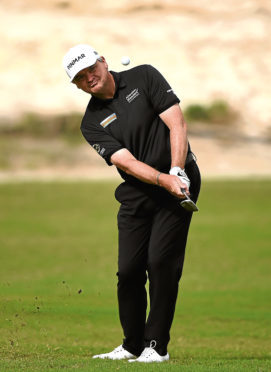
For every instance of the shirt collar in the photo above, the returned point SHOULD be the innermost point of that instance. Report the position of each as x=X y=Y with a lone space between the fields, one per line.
x=119 y=82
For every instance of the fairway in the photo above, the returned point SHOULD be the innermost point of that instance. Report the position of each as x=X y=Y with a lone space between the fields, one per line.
x=58 y=252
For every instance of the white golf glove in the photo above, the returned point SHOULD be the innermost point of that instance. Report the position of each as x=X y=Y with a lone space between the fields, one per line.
x=179 y=172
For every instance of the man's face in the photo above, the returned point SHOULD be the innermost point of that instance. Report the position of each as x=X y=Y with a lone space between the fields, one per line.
x=92 y=79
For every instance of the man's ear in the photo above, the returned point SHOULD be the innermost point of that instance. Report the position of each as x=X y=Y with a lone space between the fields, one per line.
x=104 y=61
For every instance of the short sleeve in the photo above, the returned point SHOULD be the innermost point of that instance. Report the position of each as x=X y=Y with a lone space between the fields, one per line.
x=100 y=140
x=160 y=92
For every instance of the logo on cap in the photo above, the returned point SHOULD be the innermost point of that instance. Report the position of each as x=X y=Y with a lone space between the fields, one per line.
x=75 y=60
x=79 y=57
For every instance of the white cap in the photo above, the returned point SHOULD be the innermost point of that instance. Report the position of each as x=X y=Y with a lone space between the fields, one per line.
x=78 y=58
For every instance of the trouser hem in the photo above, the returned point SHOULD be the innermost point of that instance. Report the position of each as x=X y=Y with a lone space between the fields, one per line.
x=132 y=350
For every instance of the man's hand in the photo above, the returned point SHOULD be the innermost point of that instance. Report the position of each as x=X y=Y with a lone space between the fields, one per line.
x=173 y=185
x=179 y=172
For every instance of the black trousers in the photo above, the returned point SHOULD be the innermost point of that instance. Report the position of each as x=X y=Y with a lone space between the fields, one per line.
x=152 y=246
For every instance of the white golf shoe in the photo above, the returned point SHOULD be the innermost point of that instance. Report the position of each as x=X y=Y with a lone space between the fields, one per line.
x=117 y=354
x=150 y=355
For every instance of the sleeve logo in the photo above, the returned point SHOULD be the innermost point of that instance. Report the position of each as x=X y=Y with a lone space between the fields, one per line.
x=97 y=147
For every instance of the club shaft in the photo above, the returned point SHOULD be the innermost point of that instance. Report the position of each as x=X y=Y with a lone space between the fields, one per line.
x=185 y=194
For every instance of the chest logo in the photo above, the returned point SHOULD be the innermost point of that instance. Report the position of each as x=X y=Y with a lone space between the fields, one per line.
x=131 y=96
x=108 y=120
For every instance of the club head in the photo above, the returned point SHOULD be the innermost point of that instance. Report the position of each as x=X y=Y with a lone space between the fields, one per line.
x=188 y=204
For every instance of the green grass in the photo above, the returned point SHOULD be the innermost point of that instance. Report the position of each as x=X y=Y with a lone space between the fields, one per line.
x=58 y=307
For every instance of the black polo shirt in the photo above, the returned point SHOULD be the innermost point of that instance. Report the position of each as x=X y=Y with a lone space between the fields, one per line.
x=131 y=120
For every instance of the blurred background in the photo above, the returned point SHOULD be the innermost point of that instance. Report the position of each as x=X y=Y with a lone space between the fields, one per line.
x=216 y=55
x=58 y=240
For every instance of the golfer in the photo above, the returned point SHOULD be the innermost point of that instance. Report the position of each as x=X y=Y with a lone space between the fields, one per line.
x=134 y=121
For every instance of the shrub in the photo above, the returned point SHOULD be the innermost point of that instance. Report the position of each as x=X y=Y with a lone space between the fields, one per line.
x=217 y=112
x=220 y=112
x=196 y=112
x=35 y=125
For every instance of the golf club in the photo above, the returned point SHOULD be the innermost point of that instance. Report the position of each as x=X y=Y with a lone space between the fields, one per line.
x=187 y=203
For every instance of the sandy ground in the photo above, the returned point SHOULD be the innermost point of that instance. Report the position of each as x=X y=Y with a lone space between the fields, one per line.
x=207 y=50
